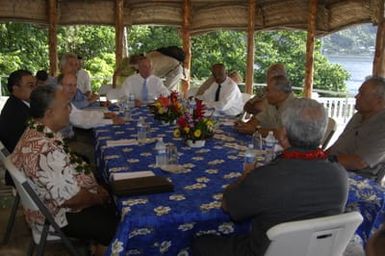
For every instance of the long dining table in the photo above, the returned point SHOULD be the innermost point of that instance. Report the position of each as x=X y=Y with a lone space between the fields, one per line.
x=166 y=223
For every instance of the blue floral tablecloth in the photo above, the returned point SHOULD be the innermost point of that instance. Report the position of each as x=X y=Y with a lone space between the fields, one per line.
x=165 y=224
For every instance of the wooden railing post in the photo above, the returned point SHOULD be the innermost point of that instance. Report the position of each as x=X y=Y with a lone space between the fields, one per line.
x=250 y=47
x=52 y=36
x=309 y=68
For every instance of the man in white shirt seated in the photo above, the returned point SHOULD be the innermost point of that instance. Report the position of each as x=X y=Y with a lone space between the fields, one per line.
x=223 y=94
x=81 y=141
x=143 y=85
x=83 y=78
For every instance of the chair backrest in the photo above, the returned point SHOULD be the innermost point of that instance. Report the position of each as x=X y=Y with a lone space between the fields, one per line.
x=330 y=130
x=21 y=181
x=326 y=236
x=246 y=97
x=3 y=152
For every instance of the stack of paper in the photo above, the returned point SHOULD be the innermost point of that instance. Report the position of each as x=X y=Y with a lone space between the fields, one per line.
x=130 y=175
x=124 y=142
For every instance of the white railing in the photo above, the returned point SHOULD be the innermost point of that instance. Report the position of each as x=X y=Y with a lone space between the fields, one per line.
x=340 y=109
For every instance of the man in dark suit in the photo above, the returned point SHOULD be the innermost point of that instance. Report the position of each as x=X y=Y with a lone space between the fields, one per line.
x=15 y=113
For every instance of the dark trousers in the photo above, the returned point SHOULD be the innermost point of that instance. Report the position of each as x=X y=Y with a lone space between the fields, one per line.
x=97 y=223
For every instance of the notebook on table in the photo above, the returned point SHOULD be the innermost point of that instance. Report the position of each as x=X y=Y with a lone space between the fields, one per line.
x=139 y=183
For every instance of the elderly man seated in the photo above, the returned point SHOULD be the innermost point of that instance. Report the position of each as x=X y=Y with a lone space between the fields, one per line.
x=81 y=140
x=223 y=94
x=257 y=104
x=278 y=95
x=65 y=185
x=361 y=146
x=69 y=63
x=299 y=184
x=143 y=85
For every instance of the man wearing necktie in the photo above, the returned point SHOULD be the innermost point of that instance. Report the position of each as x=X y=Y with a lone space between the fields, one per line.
x=145 y=86
x=223 y=94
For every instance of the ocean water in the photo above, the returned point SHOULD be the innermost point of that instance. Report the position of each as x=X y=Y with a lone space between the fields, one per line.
x=358 y=67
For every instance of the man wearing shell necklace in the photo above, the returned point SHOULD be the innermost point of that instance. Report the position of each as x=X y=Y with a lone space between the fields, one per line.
x=299 y=184
x=63 y=181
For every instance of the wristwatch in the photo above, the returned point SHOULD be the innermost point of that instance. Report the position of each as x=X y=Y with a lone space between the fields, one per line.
x=333 y=158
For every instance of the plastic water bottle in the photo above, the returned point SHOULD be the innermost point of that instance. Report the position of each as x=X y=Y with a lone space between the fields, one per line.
x=141 y=130
x=161 y=157
x=257 y=140
x=131 y=101
x=250 y=158
x=192 y=105
x=270 y=142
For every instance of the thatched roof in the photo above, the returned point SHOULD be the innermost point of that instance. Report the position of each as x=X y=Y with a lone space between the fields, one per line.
x=206 y=14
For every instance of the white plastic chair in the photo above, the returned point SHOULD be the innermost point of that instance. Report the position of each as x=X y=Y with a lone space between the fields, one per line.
x=30 y=200
x=330 y=130
x=16 y=201
x=246 y=97
x=326 y=236
x=192 y=91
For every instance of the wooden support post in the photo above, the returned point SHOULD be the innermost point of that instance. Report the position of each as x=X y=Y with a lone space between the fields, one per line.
x=119 y=27
x=250 y=47
x=52 y=36
x=186 y=45
x=311 y=30
x=379 y=56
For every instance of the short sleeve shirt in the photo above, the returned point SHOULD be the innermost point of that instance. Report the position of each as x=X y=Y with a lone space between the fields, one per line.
x=55 y=179
x=270 y=118
x=365 y=139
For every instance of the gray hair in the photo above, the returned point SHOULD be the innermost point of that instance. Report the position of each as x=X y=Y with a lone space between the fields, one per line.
x=41 y=99
x=281 y=83
x=65 y=57
x=305 y=122
x=379 y=83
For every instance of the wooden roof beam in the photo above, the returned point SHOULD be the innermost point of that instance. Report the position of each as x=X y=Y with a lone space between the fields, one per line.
x=52 y=36
x=309 y=68
x=379 y=55
x=250 y=46
x=186 y=38
x=119 y=30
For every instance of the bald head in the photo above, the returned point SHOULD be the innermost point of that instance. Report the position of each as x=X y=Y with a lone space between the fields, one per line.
x=219 y=72
x=68 y=82
x=145 y=67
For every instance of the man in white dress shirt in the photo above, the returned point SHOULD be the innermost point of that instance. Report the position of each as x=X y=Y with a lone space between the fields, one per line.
x=80 y=140
x=145 y=86
x=223 y=94
x=83 y=78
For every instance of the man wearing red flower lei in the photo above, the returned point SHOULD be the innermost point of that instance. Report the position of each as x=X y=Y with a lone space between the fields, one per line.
x=300 y=184
x=361 y=146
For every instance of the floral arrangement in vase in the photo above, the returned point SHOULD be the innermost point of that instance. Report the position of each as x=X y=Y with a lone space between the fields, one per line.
x=195 y=126
x=167 y=109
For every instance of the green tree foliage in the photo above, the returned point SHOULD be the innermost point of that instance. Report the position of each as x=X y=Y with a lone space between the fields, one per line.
x=228 y=47
x=142 y=39
x=289 y=48
x=25 y=46
x=22 y=46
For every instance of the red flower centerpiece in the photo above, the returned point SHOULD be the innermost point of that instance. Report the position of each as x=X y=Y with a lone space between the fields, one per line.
x=167 y=109
x=195 y=126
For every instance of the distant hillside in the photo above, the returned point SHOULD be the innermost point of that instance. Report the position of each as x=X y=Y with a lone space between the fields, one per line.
x=356 y=40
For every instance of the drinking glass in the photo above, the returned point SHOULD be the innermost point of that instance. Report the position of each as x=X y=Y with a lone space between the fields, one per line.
x=172 y=154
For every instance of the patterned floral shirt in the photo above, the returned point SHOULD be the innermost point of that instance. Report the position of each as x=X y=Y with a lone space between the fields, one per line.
x=44 y=161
